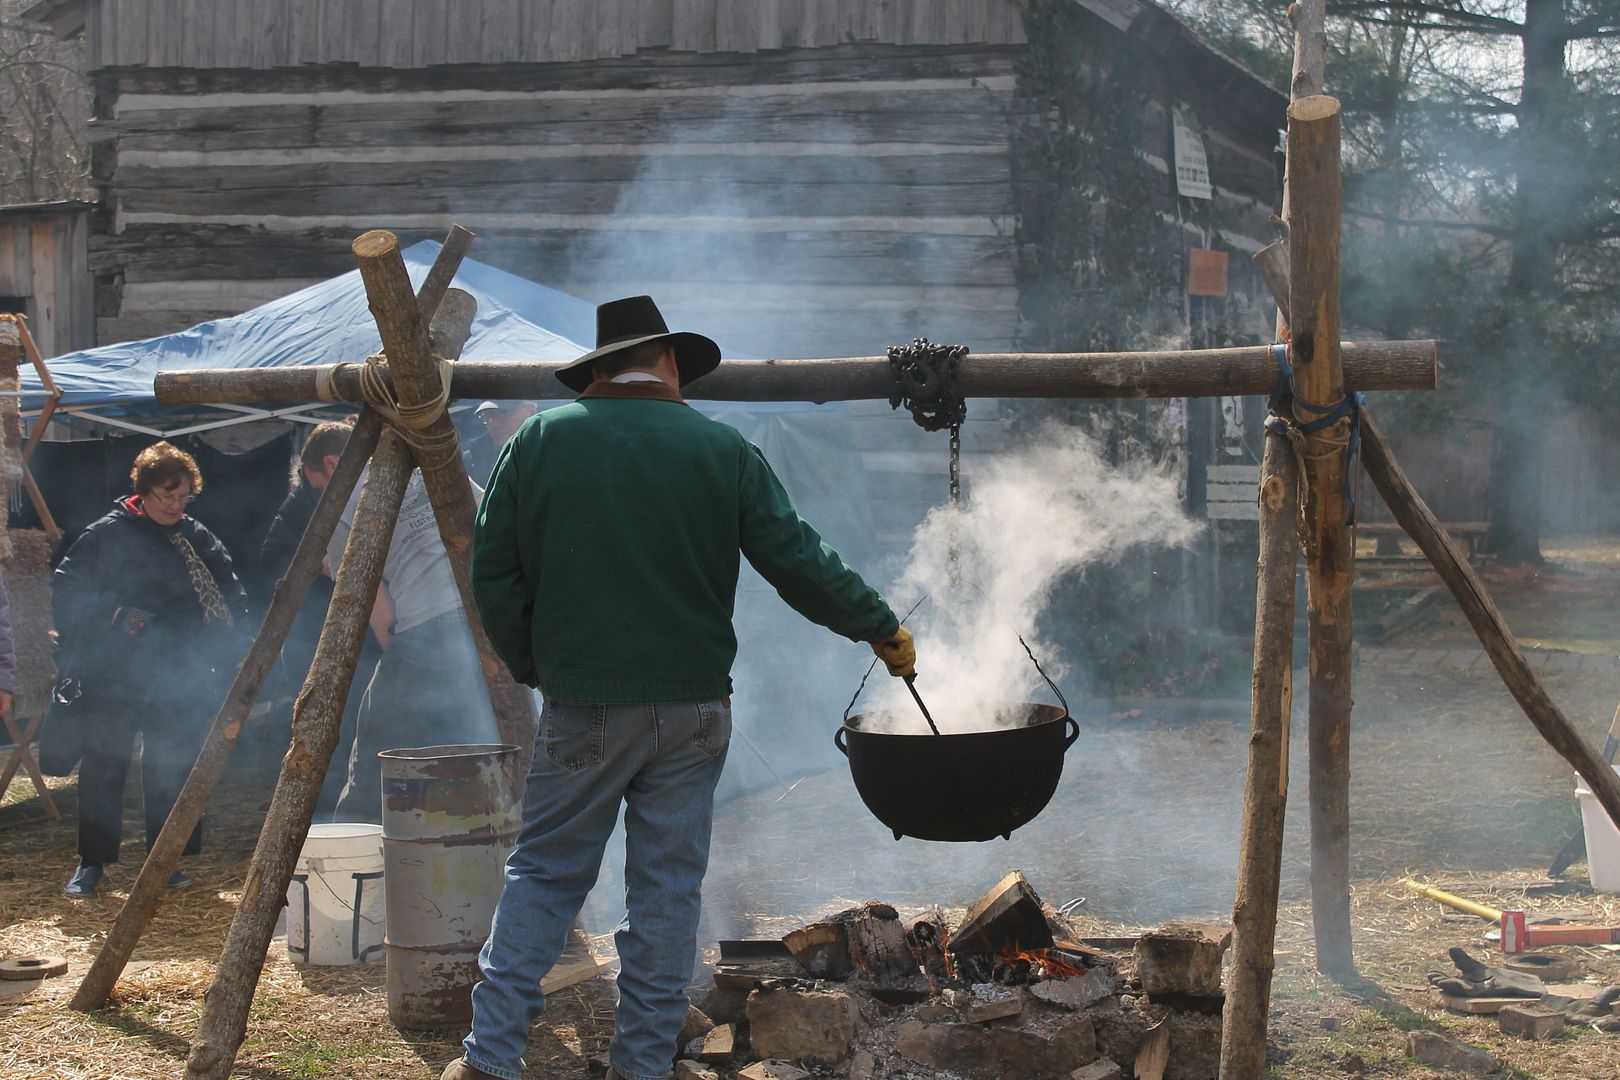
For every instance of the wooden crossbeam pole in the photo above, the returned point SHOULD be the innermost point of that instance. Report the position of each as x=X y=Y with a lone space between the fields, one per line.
x=1373 y=365
x=150 y=885
x=417 y=382
x=1319 y=384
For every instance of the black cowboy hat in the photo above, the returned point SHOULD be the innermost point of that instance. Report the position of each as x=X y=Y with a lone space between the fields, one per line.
x=624 y=324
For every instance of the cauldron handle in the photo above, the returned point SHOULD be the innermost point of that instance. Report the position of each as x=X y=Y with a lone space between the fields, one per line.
x=1072 y=734
x=1049 y=682
x=838 y=740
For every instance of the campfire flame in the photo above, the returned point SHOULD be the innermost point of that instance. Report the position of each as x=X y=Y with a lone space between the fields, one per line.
x=1055 y=964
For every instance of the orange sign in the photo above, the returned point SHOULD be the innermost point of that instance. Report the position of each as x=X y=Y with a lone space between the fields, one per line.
x=1206 y=272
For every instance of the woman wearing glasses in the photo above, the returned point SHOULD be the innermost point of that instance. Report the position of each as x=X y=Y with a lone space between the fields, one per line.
x=144 y=604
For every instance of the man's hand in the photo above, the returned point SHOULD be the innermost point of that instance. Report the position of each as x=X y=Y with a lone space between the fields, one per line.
x=898 y=653
x=5 y=702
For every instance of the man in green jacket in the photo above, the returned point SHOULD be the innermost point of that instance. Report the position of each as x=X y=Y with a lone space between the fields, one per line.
x=605 y=567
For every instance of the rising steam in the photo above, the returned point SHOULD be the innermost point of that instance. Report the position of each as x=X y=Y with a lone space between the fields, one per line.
x=991 y=568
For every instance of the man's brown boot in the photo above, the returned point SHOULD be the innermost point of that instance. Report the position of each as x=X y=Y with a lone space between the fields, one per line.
x=460 y=1070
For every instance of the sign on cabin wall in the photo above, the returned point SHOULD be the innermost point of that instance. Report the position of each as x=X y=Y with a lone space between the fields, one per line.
x=1232 y=492
x=1192 y=164
x=1206 y=272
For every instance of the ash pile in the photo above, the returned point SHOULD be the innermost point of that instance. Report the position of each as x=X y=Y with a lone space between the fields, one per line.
x=1010 y=992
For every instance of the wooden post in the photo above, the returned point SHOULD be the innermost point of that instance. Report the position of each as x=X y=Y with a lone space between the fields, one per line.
x=417 y=382
x=147 y=892
x=1309 y=19
x=1482 y=614
x=1368 y=365
x=1265 y=795
x=1314 y=183
x=45 y=380
x=443 y=272
x=316 y=718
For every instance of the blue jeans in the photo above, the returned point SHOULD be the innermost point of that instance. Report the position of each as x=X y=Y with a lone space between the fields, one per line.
x=662 y=762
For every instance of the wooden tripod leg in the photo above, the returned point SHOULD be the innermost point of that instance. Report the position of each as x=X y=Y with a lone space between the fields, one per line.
x=152 y=882
x=21 y=755
x=316 y=718
x=1265 y=797
x=1482 y=614
x=416 y=381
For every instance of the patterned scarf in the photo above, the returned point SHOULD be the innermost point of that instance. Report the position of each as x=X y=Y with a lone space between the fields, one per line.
x=202 y=582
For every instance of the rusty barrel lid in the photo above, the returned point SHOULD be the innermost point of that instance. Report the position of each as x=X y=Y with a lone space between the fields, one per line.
x=456 y=793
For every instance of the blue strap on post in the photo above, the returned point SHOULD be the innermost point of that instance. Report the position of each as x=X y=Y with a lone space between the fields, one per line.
x=1283 y=403
x=1282 y=391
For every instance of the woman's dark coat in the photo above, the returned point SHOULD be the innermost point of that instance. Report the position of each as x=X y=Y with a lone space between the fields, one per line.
x=128 y=617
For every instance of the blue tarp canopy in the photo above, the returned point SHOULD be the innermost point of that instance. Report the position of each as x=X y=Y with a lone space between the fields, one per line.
x=323 y=324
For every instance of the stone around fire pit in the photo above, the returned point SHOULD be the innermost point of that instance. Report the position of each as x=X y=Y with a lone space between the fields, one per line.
x=772 y=1070
x=993 y=1052
x=1101 y=1069
x=1182 y=959
x=997 y=1003
x=717 y=1047
x=1076 y=992
x=691 y=1070
x=802 y=1025
x=696 y=1025
x=1195 y=1047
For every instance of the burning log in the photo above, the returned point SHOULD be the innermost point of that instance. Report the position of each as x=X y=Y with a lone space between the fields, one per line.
x=928 y=937
x=1004 y=922
x=869 y=939
x=878 y=945
x=822 y=948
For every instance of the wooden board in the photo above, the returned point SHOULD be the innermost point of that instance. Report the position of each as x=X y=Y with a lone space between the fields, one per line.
x=263 y=36
x=1482 y=1006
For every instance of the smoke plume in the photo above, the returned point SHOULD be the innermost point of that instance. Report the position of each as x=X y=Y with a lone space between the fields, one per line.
x=989 y=569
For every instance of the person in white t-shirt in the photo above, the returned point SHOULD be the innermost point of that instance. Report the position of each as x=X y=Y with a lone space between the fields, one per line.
x=428 y=688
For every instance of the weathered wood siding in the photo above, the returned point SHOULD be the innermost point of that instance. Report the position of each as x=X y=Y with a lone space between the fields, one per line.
x=798 y=203
x=44 y=262
x=260 y=34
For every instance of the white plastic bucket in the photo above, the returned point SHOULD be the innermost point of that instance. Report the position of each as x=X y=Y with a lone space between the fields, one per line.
x=335 y=901
x=1602 y=840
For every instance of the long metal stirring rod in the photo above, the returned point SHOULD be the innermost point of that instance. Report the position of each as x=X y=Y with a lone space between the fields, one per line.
x=911 y=684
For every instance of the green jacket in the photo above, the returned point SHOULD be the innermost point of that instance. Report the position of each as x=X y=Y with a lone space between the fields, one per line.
x=607 y=549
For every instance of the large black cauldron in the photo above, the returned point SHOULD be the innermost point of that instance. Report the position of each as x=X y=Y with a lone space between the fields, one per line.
x=960 y=788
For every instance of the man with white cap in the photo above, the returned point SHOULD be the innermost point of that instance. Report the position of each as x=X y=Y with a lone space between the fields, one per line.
x=500 y=421
x=605 y=567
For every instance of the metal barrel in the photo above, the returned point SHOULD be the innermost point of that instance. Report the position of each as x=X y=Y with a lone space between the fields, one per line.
x=449 y=821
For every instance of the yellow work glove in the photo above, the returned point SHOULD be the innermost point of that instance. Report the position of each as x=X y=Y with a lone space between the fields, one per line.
x=898 y=652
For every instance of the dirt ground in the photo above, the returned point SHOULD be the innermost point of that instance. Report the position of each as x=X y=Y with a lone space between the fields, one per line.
x=1451 y=785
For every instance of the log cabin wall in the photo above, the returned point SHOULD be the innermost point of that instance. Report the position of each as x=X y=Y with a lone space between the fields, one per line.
x=796 y=177
x=44 y=273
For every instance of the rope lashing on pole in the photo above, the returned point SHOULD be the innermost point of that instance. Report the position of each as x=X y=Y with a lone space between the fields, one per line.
x=1285 y=408
x=411 y=421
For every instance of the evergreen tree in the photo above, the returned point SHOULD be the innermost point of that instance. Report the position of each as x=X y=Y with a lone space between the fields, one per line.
x=1482 y=204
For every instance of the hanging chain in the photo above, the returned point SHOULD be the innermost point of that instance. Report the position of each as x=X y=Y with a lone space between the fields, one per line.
x=925 y=383
x=956 y=466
